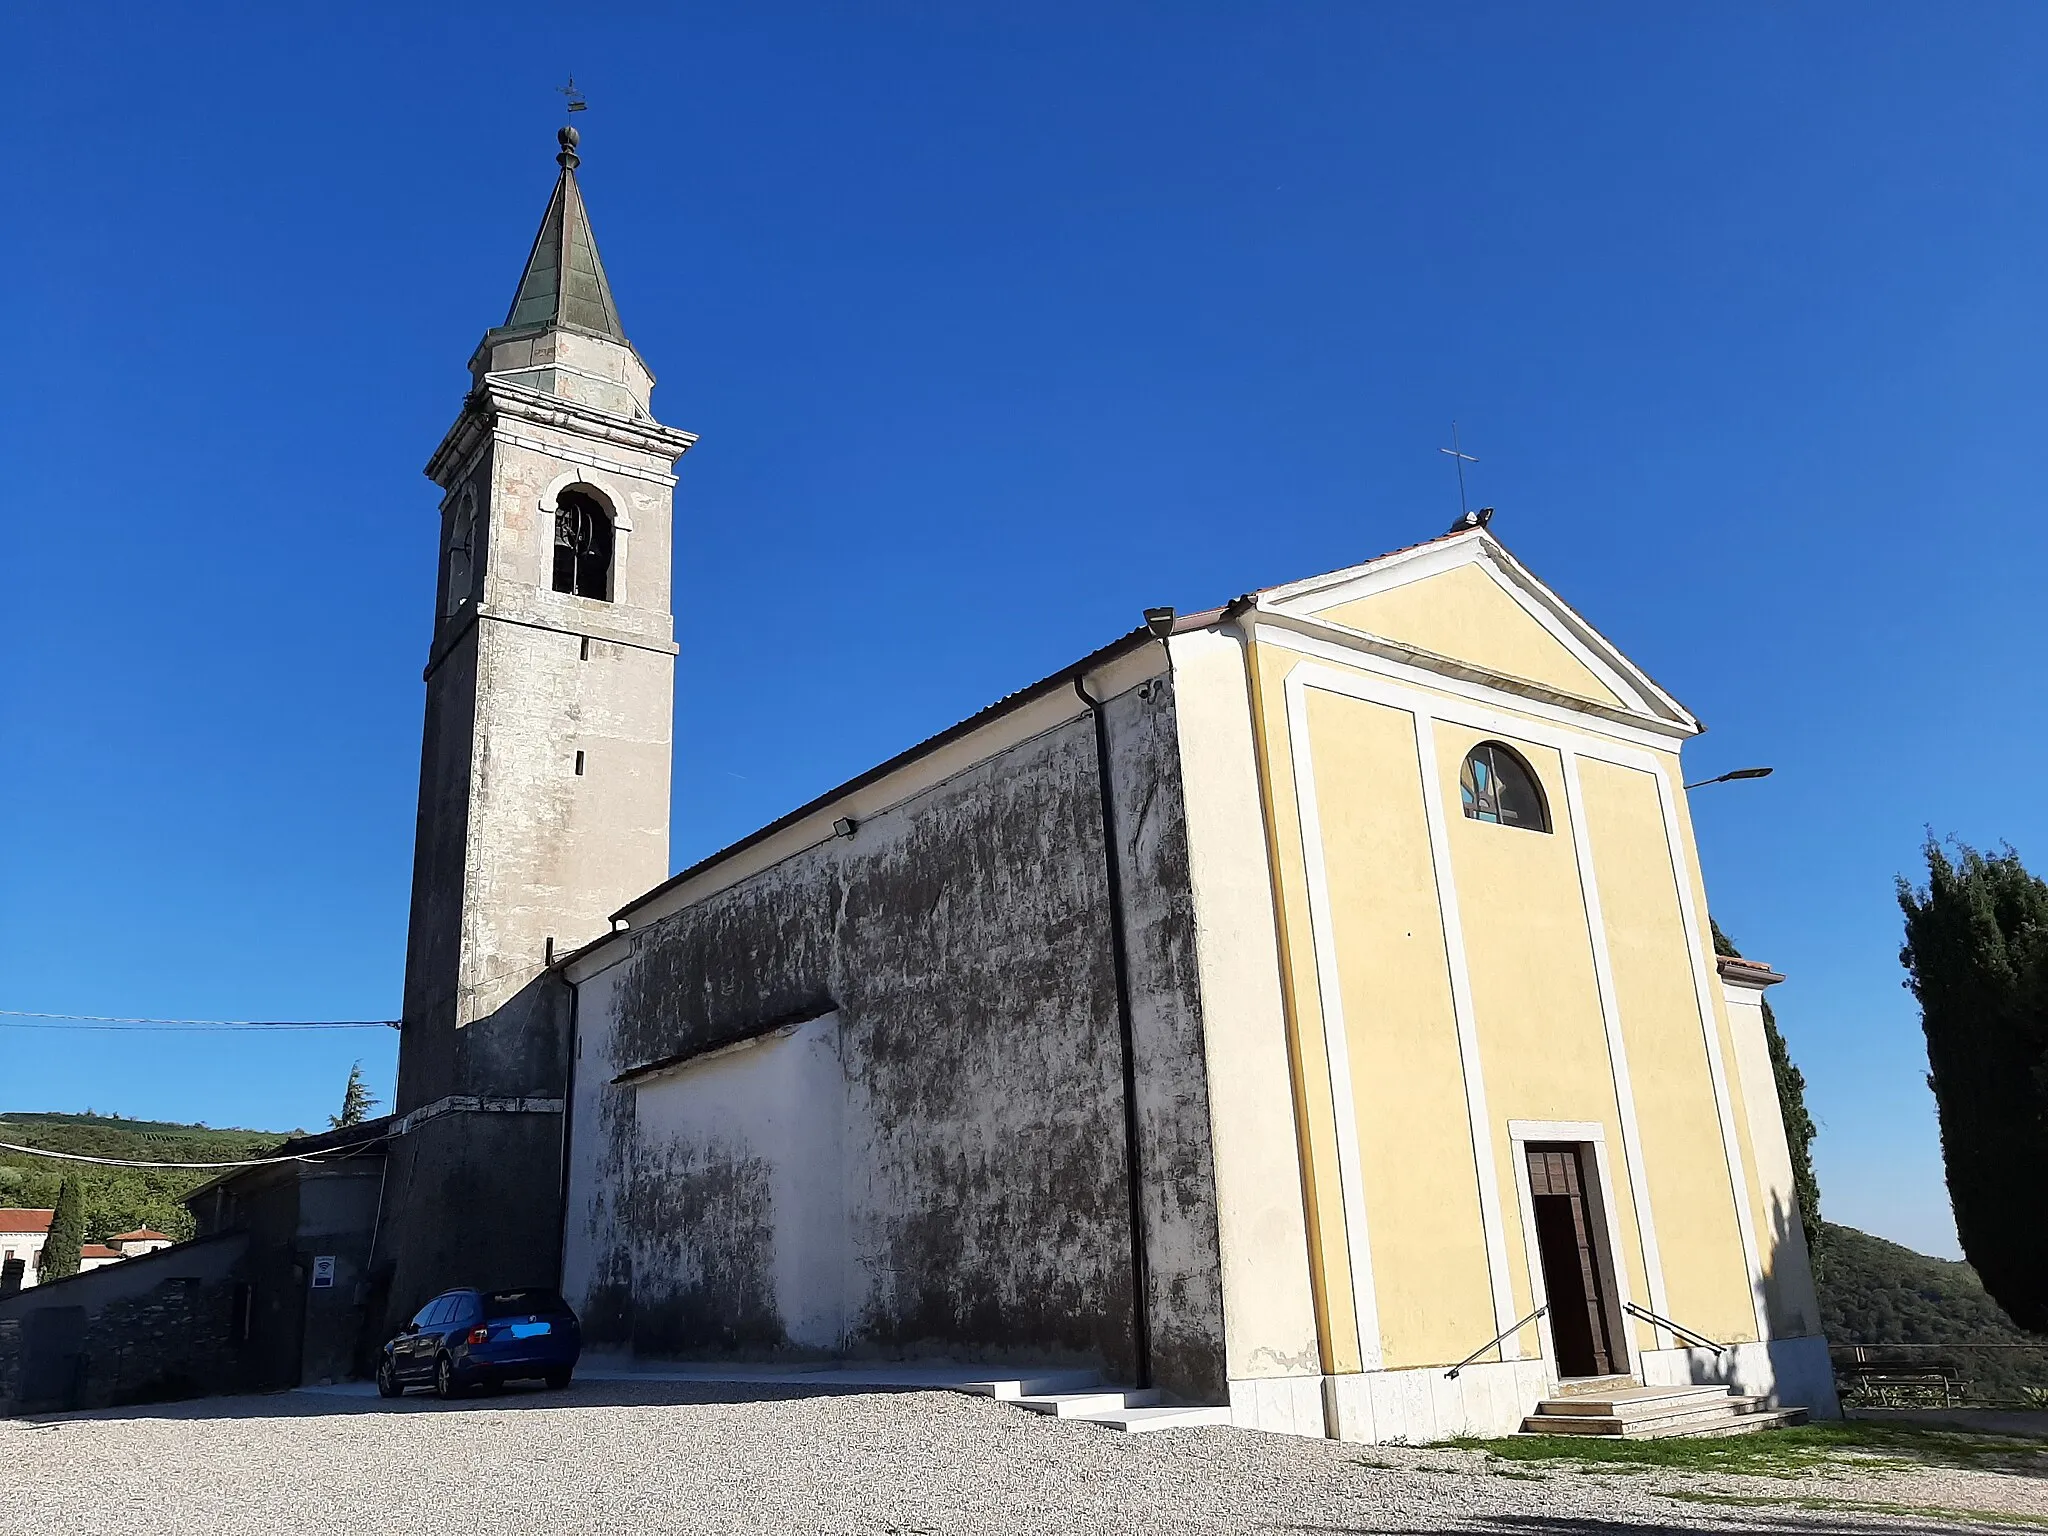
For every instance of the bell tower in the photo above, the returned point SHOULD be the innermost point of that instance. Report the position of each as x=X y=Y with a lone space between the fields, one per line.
x=544 y=770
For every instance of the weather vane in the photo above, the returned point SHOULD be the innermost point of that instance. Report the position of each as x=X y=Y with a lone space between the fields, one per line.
x=1463 y=458
x=576 y=101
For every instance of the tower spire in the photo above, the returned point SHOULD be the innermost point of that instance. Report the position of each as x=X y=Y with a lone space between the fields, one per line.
x=564 y=286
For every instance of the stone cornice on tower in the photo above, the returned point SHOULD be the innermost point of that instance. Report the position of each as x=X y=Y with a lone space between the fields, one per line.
x=495 y=401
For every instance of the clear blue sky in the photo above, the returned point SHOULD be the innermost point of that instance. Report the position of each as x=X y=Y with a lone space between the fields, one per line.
x=999 y=324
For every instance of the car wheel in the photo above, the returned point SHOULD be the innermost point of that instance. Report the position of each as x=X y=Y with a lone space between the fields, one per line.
x=558 y=1379
x=388 y=1384
x=444 y=1378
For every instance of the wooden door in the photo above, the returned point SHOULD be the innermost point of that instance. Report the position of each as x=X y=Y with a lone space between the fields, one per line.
x=1571 y=1248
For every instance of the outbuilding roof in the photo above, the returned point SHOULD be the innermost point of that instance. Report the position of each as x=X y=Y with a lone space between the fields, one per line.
x=23 y=1220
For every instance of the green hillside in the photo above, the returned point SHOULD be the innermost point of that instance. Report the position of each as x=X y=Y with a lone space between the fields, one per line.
x=119 y=1199
x=1875 y=1292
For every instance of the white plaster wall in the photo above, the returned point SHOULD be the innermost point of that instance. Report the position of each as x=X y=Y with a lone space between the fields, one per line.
x=779 y=1100
x=596 y=1178
x=27 y=1246
x=1268 y=1305
x=1788 y=1268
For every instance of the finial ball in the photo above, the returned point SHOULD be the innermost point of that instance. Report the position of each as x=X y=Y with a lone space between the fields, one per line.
x=568 y=138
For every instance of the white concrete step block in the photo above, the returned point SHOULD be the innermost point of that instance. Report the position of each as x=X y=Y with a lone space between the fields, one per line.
x=1731 y=1416
x=1081 y=1405
x=1749 y=1424
x=1009 y=1388
x=1137 y=1421
x=1634 y=1401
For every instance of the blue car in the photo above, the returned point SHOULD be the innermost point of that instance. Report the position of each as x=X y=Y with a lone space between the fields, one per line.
x=465 y=1339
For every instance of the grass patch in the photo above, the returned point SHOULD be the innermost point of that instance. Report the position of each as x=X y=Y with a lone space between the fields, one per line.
x=1869 y=1507
x=1790 y=1452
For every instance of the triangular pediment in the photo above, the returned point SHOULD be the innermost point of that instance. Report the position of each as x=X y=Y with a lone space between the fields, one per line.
x=1464 y=600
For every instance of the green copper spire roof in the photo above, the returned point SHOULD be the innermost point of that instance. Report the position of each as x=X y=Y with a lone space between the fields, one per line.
x=564 y=282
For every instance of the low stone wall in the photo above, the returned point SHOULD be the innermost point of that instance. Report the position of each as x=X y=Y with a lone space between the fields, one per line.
x=153 y=1329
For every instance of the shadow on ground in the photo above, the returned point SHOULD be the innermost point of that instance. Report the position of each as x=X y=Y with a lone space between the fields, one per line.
x=1767 y=1520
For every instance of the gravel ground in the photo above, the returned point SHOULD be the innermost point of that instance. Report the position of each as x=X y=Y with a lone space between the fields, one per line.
x=661 y=1457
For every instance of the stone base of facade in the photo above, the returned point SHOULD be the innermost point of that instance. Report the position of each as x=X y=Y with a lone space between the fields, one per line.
x=1792 y=1373
x=1413 y=1407
x=1417 y=1407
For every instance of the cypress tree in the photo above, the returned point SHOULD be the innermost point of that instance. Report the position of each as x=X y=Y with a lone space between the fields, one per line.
x=1799 y=1127
x=1976 y=956
x=67 y=1231
x=356 y=1102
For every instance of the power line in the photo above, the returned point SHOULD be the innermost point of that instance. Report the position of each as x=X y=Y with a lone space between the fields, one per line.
x=27 y=1018
x=131 y=1162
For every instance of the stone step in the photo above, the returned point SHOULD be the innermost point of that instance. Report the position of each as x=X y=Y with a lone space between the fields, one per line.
x=1748 y=1424
x=1083 y=1405
x=1137 y=1421
x=1633 y=1402
x=1585 y=1386
x=1728 y=1416
x=1589 y=1424
x=1009 y=1388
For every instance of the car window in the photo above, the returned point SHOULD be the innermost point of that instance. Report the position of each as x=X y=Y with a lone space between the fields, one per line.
x=462 y=1307
x=528 y=1302
x=443 y=1305
x=424 y=1318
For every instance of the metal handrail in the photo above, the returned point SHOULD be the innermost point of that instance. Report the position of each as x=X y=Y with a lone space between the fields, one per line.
x=1452 y=1373
x=1678 y=1328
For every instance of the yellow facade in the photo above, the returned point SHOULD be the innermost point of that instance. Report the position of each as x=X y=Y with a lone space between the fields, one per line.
x=1467 y=614
x=1418 y=1177
x=1457 y=989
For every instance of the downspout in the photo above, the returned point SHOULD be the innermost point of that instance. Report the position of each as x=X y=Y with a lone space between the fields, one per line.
x=1141 y=1319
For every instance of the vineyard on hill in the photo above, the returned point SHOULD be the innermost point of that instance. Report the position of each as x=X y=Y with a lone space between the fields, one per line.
x=119 y=1199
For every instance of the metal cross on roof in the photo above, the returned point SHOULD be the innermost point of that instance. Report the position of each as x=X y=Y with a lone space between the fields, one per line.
x=576 y=101
x=1463 y=458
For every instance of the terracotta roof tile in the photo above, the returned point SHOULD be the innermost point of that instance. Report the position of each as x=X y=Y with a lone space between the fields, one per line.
x=20 y=1220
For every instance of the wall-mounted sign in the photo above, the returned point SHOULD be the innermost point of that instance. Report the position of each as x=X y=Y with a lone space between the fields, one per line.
x=323 y=1271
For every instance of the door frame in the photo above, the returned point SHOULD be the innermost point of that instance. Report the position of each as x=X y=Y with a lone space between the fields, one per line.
x=1590 y=1136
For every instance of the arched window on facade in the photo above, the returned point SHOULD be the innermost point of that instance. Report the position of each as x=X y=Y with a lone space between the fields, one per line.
x=1497 y=786
x=583 y=546
x=462 y=553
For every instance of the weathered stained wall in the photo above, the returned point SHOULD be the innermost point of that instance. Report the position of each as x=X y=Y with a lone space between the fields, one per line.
x=962 y=939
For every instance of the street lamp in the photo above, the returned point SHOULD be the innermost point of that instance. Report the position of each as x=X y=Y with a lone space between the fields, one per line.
x=1734 y=773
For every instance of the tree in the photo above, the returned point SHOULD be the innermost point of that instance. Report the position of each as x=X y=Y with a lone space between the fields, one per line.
x=356 y=1102
x=1976 y=956
x=1799 y=1127
x=67 y=1231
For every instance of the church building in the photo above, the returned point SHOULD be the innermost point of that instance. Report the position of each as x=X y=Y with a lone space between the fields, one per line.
x=1305 y=1006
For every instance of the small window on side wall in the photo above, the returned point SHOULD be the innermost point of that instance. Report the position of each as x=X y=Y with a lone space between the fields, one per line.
x=1497 y=786
x=583 y=546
